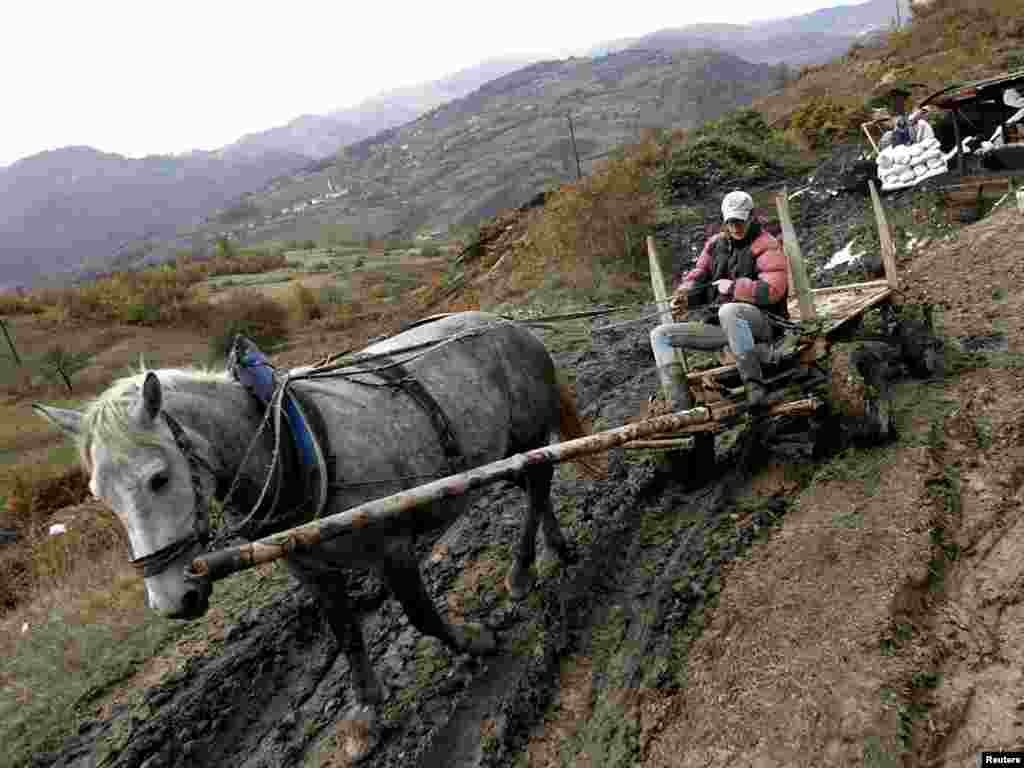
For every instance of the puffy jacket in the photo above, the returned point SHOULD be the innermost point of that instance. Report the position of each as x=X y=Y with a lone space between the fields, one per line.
x=756 y=265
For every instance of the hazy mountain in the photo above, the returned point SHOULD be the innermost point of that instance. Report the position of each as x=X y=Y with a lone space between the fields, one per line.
x=811 y=38
x=75 y=205
x=501 y=144
x=322 y=135
x=61 y=208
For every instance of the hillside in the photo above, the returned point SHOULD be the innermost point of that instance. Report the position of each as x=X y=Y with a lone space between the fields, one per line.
x=78 y=207
x=320 y=135
x=948 y=42
x=502 y=144
x=812 y=38
x=453 y=167
x=67 y=207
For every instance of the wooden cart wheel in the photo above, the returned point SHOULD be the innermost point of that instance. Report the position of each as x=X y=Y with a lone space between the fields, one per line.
x=693 y=466
x=859 y=390
x=703 y=455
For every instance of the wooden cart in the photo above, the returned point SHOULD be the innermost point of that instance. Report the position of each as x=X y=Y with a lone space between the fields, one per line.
x=821 y=316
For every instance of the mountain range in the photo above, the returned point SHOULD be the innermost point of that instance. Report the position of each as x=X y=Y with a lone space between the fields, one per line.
x=498 y=146
x=431 y=156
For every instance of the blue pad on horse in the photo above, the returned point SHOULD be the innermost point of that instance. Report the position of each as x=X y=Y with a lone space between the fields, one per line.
x=250 y=367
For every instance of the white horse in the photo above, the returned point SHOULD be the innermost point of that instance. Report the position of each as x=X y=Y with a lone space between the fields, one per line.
x=159 y=445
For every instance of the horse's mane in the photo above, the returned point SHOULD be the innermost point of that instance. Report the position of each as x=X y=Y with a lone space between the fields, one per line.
x=109 y=416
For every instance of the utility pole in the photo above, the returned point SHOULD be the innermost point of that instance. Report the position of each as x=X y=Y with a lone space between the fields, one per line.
x=899 y=18
x=572 y=135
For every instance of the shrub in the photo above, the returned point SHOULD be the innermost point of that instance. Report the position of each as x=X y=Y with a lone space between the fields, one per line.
x=248 y=262
x=60 y=364
x=739 y=149
x=333 y=295
x=820 y=121
x=431 y=251
x=20 y=304
x=224 y=248
x=248 y=312
x=34 y=492
x=40 y=560
x=308 y=245
x=305 y=303
x=592 y=221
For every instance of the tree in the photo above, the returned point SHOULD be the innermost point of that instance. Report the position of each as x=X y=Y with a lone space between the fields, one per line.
x=60 y=363
x=224 y=248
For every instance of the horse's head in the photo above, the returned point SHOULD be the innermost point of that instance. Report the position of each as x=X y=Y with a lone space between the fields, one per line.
x=141 y=463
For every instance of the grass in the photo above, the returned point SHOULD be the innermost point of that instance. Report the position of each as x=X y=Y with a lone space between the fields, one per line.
x=66 y=657
x=80 y=644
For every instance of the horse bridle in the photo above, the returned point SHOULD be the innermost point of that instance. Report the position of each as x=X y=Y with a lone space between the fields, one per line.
x=160 y=560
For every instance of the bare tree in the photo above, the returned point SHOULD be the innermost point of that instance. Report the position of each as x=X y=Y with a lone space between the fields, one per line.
x=61 y=363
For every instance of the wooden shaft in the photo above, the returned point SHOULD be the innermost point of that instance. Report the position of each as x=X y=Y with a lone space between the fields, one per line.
x=798 y=272
x=864 y=127
x=885 y=238
x=662 y=298
x=850 y=287
x=677 y=442
x=222 y=563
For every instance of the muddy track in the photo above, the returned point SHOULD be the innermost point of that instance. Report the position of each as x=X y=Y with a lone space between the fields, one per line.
x=643 y=537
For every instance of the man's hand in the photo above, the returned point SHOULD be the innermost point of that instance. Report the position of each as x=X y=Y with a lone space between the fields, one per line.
x=679 y=303
x=724 y=287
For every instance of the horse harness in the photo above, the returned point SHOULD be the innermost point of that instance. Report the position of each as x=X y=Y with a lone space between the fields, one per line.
x=160 y=560
x=306 y=427
x=289 y=410
x=396 y=375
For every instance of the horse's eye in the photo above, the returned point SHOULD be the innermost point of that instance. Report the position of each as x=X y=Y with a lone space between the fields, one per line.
x=158 y=482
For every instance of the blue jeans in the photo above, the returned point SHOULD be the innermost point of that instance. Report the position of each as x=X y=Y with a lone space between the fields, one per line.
x=742 y=327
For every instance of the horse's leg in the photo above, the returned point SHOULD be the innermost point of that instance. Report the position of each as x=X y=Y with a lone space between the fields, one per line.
x=536 y=481
x=540 y=498
x=334 y=601
x=402 y=573
x=357 y=727
x=330 y=588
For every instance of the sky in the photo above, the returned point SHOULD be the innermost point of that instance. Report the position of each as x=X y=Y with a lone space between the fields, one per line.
x=145 y=77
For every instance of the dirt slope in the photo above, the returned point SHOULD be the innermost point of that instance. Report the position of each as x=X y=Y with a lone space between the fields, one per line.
x=883 y=622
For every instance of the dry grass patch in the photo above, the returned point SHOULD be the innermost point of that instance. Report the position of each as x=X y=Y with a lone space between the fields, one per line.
x=68 y=645
x=589 y=224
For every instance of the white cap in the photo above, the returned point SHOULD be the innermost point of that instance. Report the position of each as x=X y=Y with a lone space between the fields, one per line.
x=737 y=205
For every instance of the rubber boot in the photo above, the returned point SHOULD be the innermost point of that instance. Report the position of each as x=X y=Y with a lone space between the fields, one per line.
x=749 y=366
x=673 y=386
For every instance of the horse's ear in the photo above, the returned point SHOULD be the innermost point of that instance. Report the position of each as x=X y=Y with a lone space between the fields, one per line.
x=152 y=398
x=67 y=421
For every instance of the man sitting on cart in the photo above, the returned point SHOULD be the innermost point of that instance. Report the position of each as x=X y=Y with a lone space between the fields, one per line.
x=742 y=274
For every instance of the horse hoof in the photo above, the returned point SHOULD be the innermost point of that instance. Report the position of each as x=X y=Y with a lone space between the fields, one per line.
x=475 y=638
x=519 y=582
x=357 y=733
x=566 y=554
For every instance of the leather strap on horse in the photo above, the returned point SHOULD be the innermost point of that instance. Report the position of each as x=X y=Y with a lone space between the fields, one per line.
x=160 y=560
x=398 y=376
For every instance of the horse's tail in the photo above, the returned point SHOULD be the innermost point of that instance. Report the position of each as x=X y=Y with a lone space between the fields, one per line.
x=571 y=426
